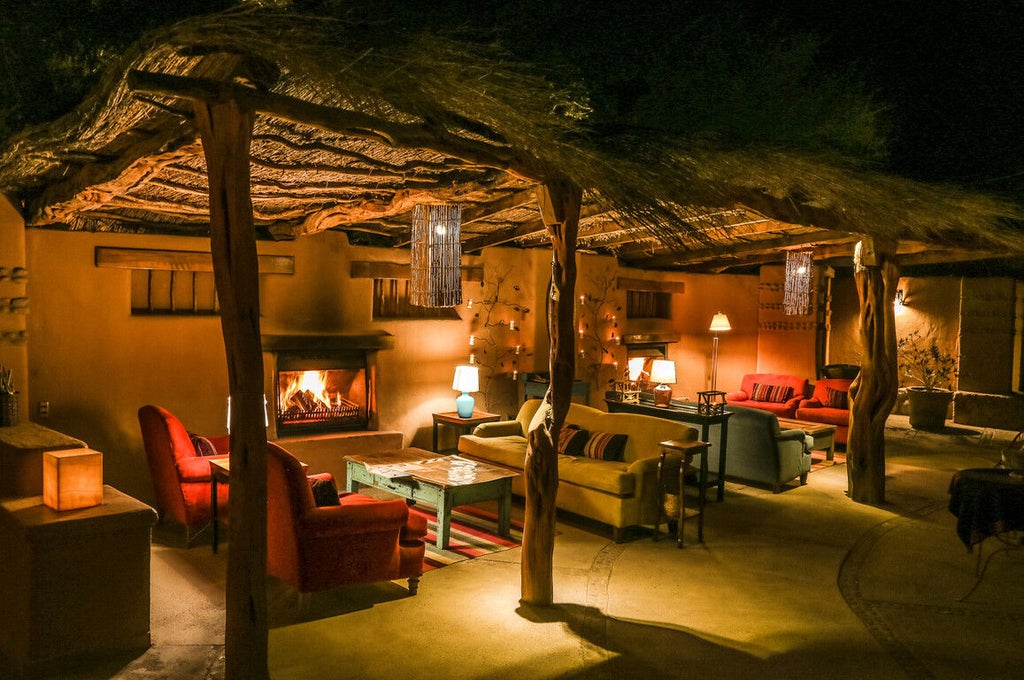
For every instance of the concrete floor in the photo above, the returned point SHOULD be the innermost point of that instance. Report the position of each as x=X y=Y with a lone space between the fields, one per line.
x=802 y=584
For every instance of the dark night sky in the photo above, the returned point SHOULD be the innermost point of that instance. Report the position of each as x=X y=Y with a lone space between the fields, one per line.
x=953 y=73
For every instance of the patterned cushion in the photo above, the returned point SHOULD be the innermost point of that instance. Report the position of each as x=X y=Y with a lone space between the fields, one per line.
x=571 y=440
x=202 y=445
x=775 y=393
x=325 y=491
x=837 y=398
x=605 y=446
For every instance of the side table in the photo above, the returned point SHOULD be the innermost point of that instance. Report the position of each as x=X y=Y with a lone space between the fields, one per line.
x=462 y=425
x=686 y=451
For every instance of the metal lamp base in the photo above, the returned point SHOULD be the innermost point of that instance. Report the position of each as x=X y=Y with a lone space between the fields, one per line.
x=662 y=395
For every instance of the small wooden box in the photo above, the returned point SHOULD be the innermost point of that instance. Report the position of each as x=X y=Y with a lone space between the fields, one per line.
x=72 y=479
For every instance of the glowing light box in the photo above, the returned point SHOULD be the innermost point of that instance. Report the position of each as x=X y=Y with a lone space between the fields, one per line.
x=72 y=479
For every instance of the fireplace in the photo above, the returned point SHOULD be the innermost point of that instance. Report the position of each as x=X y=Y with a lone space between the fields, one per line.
x=323 y=383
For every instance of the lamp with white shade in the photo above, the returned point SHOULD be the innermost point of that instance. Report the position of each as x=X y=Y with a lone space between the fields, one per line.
x=719 y=323
x=663 y=372
x=467 y=379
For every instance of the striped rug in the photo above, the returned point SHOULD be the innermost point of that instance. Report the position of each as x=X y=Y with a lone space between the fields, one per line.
x=818 y=460
x=474 y=532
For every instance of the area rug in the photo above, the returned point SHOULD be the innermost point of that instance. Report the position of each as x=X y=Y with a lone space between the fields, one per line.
x=474 y=532
x=818 y=461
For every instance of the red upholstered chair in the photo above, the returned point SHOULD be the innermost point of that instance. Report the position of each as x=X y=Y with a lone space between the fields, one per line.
x=361 y=540
x=830 y=404
x=181 y=477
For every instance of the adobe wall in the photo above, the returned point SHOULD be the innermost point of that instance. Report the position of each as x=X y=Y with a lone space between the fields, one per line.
x=13 y=319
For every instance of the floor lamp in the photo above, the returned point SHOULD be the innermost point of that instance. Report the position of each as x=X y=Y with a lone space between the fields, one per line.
x=719 y=323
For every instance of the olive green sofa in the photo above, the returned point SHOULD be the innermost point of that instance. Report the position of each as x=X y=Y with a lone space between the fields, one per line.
x=620 y=494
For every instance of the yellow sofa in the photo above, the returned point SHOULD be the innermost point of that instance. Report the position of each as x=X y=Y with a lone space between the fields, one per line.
x=620 y=494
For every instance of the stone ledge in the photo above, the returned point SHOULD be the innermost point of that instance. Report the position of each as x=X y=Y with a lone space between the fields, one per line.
x=1004 y=412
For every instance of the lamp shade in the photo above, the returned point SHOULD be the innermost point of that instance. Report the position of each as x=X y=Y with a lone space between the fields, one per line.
x=467 y=379
x=720 y=322
x=663 y=372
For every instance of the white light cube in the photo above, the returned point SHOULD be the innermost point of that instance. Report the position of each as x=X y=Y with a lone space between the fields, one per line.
x=72 y=479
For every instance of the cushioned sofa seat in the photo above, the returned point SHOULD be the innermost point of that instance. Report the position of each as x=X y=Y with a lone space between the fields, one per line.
x=620 y=493
x=817 y=408
x=753 y=383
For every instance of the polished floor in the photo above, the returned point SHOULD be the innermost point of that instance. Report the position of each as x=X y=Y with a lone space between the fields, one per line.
x=801 y=584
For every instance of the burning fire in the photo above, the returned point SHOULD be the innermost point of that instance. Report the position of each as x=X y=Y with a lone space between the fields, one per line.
x=306 y=391
x=315 y=396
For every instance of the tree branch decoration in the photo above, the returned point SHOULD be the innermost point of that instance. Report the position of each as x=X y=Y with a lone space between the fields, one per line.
x=598 y=335
x=496 y=345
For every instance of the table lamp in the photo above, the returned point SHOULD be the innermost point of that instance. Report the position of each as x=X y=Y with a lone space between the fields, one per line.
x=719 y=323
x=663 y=373
x=467 y=379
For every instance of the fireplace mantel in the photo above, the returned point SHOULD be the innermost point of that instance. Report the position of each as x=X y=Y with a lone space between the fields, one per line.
x=328 y=342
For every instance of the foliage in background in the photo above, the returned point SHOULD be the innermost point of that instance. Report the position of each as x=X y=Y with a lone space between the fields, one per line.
x=922 y=361
x=53 y=51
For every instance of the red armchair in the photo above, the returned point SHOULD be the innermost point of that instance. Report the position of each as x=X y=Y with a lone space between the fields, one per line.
x=181 y=477
x=756 y=391
x=361 y=540
x=829 y=404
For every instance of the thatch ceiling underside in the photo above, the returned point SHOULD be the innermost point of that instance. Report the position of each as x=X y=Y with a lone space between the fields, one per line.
x=356 y=155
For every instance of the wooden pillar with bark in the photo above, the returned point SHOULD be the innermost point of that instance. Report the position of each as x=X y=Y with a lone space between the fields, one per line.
x=225 y=127
x=873 y=393
x=560 y=209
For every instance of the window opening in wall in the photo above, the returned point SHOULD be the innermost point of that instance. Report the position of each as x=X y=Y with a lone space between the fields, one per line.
x=644 y=304
x=173 y=292
x=391 y=301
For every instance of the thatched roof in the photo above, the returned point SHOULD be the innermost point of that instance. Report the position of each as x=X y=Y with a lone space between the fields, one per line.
x=357 y=124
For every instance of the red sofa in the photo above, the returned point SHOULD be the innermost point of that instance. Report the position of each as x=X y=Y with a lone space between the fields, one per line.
x=830 y=404
x=181 y=477
x=767 y=391
x=360 y=540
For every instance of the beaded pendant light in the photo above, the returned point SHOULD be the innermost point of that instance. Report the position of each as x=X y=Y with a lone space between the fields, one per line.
x=436 y=256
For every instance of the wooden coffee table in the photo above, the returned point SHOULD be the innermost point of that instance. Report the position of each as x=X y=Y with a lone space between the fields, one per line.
x=436 y=480
x=822 y=434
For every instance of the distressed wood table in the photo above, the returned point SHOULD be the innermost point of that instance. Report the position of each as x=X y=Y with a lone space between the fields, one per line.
x=441 y=481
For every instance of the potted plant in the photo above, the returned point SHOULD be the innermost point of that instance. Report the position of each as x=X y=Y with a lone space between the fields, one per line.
x=923 y=361
x=8 y=399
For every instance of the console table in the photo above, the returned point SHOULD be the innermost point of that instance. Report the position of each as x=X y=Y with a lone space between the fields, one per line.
x=686 y=413
x=461 y=425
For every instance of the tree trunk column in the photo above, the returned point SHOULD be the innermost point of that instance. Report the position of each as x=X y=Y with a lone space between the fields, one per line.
x=873 y=393
x=226 y=131
x=560 y=209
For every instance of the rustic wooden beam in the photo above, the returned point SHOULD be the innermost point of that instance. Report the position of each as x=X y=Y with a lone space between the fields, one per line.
x=628 y=283
x=560 y=207
x=873 y=392
x=528 y=228
x=181 y=260
x=225 y=127
x=361 y=269
x=817 y=236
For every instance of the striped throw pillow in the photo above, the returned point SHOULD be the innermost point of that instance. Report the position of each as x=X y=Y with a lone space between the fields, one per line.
x=605 y=446
x=571 y=440
x=775 y=393
x=837 y=398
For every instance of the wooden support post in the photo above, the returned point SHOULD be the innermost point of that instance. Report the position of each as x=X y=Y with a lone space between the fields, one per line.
x=560 y=209
x=226 y=130
x=873 y=393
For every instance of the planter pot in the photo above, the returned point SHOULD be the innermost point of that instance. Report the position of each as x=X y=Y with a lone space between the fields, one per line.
x=8 y=409
x=928 y=408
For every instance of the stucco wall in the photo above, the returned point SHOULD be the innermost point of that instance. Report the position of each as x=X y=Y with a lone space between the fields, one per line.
x=13 y=352
x=97 y=364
